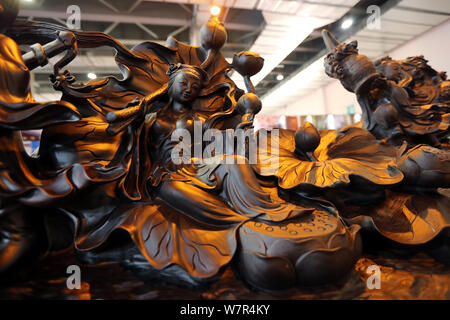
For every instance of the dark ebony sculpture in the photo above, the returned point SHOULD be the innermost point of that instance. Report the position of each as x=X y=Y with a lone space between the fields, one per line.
x=387 y=111
x=106 y=163
x=423 y=84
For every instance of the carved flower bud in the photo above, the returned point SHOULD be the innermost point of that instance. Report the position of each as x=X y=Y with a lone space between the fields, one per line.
x=213 y=34
x=307 y=138
x=247 y=63
x=249 y=103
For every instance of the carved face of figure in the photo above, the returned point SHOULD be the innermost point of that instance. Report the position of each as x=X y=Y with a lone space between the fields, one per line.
x=391 y=70
x=185 y=87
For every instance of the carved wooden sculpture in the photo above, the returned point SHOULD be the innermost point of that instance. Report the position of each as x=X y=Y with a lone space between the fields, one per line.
x=412 y=213
x=423 y=84
x=387 y=111
x=106 y=163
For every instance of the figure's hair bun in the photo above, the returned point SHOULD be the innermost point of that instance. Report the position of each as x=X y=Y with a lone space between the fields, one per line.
x=189 y=69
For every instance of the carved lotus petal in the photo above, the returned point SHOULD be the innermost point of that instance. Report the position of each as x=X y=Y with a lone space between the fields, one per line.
x=340 y=155
x=409 y=219
x=166 y=237
x=308 y=251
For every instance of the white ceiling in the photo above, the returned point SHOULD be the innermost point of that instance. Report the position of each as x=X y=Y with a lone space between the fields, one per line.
x=288 y=23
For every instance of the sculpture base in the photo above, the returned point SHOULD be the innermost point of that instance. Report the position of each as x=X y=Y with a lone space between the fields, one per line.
x=417 y=277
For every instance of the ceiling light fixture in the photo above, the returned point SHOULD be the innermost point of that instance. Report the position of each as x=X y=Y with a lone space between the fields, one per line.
x=347 y=23
x=280 y=77
x=92 y=76
x=215 y=10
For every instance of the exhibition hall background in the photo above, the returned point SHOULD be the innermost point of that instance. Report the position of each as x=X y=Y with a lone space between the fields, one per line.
x=292 y=85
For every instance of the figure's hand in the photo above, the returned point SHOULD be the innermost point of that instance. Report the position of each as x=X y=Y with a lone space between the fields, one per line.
x=69 y=44
x=134 y=112
x=246 y=122
x=40 y=54
x=133 y=108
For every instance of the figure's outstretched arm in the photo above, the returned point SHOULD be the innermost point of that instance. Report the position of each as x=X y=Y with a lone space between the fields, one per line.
x=134 y=112
x=39 y=54
x=152 y=97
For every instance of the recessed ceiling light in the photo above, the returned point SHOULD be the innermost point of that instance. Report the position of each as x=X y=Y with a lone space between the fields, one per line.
x=280 y=77
x=215 y=10
x=92 y=76
x=347 y=23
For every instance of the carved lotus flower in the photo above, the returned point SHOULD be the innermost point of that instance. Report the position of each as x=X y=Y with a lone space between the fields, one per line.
x=213 y=34
x=312 y=250
x=352 y=152
x=247 y=63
